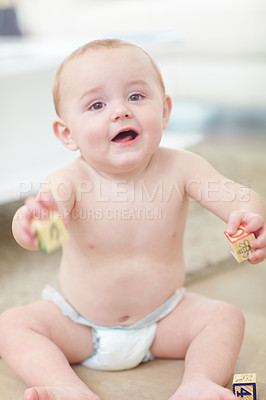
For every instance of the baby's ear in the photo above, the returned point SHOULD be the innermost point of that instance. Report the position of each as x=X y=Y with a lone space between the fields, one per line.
x=167 y=107
x=62 y=133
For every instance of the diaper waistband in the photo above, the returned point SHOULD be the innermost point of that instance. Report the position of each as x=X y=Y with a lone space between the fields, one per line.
x=49 y=293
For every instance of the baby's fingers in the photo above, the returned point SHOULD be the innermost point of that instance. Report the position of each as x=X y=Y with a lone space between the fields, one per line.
x=260 y=239
x=40 y=206
x=257 y=256
x=259 y=246
x=34 y=209
x=234 y=221
x=28 y=233
x=46 y=200
x=254 y=222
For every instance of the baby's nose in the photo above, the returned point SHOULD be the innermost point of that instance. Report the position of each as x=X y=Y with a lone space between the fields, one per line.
x=121 y=112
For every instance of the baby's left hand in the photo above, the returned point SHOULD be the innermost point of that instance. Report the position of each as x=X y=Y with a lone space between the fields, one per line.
x=254 y=223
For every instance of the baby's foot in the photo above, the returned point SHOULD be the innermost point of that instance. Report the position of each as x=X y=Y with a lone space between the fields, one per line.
x=60 y=392
x=202 y=389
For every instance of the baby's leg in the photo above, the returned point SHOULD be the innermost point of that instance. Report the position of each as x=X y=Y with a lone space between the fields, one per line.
x=208 y=334
x=39 y=342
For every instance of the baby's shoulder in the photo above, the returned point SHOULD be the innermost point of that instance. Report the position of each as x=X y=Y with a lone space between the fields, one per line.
x=181 y=164
x=69 y=172
x=177 y=157
x=62 y=183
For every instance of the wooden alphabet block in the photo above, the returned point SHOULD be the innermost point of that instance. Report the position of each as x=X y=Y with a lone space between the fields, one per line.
x=245 y=386
x=50 y=232
x=239 y=243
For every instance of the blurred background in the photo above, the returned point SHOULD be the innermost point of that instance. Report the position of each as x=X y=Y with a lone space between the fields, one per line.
x=211 y=53
x=212 y=56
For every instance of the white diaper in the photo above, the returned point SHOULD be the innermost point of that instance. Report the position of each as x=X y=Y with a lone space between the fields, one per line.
x=118 y=347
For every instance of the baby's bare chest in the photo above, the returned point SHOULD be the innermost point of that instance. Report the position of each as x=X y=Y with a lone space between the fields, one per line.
x=123 y=216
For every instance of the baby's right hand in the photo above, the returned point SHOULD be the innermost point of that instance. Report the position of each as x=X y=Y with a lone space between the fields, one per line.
x=35 y=207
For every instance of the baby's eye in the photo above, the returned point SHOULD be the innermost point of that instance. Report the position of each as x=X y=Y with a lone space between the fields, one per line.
x=98 y=105
x=135 y=97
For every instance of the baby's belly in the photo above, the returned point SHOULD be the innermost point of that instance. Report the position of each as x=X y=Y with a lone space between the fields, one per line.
x=113 y=295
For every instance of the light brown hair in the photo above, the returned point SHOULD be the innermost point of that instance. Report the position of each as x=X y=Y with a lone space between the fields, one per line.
x=96 y=45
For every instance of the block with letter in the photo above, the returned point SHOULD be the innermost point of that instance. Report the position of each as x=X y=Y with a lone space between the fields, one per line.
x=51 y=232
x=239 y=243
x=245 y=386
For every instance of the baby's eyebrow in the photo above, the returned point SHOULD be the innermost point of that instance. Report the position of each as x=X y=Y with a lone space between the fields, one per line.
x=97 y=89
x=90 y=91
x=138 y=82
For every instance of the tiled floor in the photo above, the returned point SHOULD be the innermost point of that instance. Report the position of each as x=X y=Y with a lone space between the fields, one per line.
x=243 y=285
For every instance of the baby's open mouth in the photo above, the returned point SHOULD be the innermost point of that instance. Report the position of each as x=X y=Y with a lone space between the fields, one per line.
x=125 y=136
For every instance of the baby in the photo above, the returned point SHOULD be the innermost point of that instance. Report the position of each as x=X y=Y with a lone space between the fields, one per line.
x=124 y=201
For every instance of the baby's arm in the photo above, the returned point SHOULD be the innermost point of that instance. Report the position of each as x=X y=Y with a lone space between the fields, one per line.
x=51 y=197
x=228 y=200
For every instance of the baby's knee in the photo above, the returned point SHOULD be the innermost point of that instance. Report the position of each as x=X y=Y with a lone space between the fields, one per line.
x=8 y=325
x=15 y=319
x=229 y=315
x=10 y=319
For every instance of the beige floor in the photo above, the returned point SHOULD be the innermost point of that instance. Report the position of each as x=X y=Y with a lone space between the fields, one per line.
x=243 y=286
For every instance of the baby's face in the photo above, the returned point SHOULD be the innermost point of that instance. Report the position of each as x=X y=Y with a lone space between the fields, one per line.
x=114 y=108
